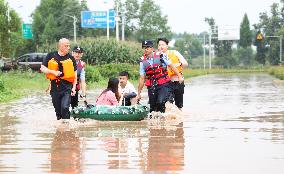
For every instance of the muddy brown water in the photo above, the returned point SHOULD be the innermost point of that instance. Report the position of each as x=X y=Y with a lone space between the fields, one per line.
x=231 y=124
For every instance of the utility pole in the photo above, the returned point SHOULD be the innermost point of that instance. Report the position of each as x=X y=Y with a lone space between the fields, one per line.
x=210 y=54
x=123 y=26
x=74 y=26
x=116 y=23
x=9 y=18
x=280 y=56
x=204 y=51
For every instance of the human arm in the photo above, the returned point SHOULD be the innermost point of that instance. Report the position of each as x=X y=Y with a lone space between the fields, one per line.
x=44 y=65
x=47 y=90
x=181 y=59
x=140 y=86
x=73 y=91
x=45 y=70
x=74 y=84
x=175 y=70
x=83 y=83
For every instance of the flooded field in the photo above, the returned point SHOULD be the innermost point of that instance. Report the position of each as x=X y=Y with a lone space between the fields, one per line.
x=231 y=124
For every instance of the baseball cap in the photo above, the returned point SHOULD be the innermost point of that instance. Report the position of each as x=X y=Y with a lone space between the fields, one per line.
x=147 y=43
x=78 y=49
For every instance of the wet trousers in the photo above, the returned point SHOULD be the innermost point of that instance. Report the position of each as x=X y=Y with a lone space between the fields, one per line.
x=75 y=100
x=158 y=96
x=177 y=93
x=61 y=102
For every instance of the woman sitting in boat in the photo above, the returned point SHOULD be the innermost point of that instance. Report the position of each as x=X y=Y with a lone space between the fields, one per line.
x=110 y=96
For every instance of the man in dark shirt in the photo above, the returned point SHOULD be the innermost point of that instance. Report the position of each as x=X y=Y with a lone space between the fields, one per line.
x=60 y=67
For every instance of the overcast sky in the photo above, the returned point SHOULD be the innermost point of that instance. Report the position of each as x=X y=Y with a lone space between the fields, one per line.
x=183 y=15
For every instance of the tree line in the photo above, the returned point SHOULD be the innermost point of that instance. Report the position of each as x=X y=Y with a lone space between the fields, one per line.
x=144 y=20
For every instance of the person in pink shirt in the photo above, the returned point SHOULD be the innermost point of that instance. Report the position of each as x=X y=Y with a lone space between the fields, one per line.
x=109 y=96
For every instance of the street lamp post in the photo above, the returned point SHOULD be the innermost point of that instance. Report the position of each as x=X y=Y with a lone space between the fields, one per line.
x=117 y=24
x=204 y=51
x=74 y=25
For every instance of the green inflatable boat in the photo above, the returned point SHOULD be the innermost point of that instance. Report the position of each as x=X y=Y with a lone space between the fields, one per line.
x=111 y=113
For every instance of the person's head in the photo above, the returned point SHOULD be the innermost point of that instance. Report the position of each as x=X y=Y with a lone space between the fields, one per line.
x=123 y=78
x=163 y=44
x=63 y=46
x=147 y=46
x=77 y=52
x=113 y=86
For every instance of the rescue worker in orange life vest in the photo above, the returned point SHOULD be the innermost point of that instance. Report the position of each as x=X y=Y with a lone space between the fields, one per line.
x=60 y=68
x=179 y=62
x=153 y=72
x=77 y=53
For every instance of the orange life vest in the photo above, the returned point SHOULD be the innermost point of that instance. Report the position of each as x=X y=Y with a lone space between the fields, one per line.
x=174 y=59
x=156 y=74
x=67 y=66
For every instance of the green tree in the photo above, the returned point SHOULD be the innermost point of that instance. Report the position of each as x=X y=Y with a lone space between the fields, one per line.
x=10 y=32
x=271 y=25
x=50 y=17
x=245 y=33
x=145 y=20
x=131 y=8
x=188 y=45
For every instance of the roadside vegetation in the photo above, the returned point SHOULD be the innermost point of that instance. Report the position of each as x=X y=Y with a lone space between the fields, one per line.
x=16 y=84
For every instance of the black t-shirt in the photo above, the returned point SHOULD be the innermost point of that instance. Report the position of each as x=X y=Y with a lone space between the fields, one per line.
x=63 y=84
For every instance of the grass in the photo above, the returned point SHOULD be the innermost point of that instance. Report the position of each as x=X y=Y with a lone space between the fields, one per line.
x=277 y=71
x=16 y=84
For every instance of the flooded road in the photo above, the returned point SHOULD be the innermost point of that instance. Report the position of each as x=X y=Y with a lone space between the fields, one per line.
x=232 y=124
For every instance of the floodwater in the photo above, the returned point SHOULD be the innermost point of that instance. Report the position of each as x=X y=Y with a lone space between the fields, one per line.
x=232 y=124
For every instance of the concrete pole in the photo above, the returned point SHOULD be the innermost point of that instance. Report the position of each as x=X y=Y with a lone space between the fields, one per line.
x=122 y=26
x=210 y=54
x=117 y=24
x=9 y=18
x=74 y=26
x=204 y=51
x=107 y=23
x=280 y=56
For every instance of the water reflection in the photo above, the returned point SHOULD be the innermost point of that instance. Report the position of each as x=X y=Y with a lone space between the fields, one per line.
x=166 y=149
x=66 y=151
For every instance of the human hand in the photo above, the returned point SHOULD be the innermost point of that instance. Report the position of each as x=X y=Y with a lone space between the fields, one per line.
x=47 y=90
x=138 y=98
x=180 y=79
x=56 y=73
x=73 y=92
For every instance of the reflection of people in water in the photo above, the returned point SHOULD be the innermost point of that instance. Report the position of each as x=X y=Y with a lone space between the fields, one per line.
x=66 y=152
x=166 y=149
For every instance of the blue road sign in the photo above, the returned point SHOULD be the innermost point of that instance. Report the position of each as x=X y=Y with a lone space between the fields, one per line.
x=97 y=19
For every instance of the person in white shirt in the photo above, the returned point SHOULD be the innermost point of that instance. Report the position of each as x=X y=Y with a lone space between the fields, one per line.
x=126 y=89
x=179 y=63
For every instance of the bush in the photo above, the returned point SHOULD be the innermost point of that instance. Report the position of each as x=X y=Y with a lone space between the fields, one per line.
x=104 y=72
x=2 y=86
x=93 y=74
x=99 y=51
